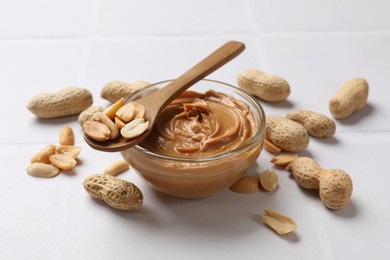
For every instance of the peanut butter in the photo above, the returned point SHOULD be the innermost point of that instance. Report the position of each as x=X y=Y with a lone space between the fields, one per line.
x=198 y=125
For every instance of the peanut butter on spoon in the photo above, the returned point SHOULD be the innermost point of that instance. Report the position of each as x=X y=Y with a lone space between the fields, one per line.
x=158 y=100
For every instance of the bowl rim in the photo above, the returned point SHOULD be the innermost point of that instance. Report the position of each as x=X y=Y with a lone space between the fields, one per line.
x=248 y=98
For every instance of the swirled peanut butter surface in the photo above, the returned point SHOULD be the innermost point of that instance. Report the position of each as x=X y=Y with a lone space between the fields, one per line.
x=200 y=125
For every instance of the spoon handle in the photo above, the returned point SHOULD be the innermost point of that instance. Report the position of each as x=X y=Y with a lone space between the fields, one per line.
x=215 y=60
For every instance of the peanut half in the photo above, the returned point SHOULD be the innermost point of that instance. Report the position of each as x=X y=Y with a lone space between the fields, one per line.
x=269 y=180
x=66 y=136
x=63 y=161
x=135 y=128
x=139 y=111
x=111 y=110
x=270 y=147
x=44 y=154
x=116 y=167
x=280 y=223
x=126 y=113
x=119 y=123
x=283 y=159
x=42 y=170
x=96 y=130
x=247 y=184
x=74 y=151
x=102 y=117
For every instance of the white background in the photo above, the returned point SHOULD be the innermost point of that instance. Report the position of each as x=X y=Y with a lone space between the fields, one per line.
x=316 y=45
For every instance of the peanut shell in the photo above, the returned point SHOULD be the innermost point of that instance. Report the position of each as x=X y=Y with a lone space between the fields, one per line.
x=117 y=193
x=65 y=102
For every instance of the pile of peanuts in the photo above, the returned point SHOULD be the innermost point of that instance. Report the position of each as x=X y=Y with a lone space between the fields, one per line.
x=126 y=118
x=52 y=159
x=290 y=133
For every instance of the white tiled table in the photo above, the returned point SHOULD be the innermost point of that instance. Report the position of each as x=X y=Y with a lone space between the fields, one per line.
x=316 y=45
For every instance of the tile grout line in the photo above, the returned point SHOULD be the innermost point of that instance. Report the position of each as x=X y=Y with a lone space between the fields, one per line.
x=343 y=32
x=250 y=18
x=83 y=69
x=91 y=34
x=60 y=228
x=322 y=234
x=257 y=37
x=92 y=29
x=350 y=133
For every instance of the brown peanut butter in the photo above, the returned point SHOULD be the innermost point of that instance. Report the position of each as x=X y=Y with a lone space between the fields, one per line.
x=197 y=125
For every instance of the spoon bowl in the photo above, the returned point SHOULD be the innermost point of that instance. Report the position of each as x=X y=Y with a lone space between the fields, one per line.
x=158 y=100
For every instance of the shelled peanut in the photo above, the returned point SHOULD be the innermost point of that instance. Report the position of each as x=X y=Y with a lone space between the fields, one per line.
x=88 y=113
x=66 y=136
x=52 y=159
x=116 y=167
x=268 y=180
x=283 y=160
x=280 y=223
x=247 y=184
x=270 y=147
x=119 y=119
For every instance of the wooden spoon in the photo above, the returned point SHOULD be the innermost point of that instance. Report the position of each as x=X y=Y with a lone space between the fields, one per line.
x=158 y=100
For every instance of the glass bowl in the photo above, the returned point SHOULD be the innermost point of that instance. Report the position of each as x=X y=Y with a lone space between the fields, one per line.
x=198 y=177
